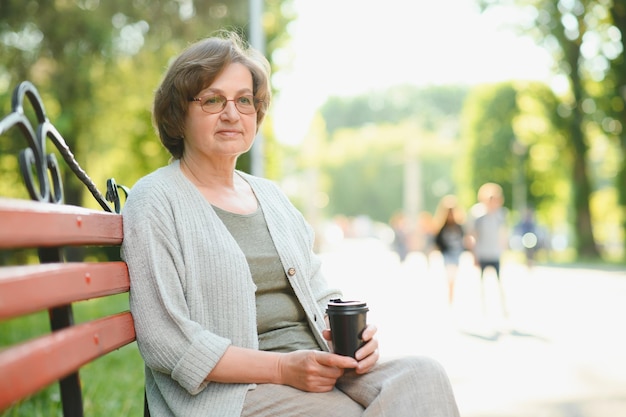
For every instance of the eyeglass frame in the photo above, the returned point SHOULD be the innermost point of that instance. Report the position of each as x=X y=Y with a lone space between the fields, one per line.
x=256 y=103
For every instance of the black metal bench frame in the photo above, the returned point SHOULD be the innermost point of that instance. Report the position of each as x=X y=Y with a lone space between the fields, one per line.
x=42 y=177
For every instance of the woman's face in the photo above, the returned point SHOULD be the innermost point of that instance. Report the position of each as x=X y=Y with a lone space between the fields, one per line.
x=227 y=133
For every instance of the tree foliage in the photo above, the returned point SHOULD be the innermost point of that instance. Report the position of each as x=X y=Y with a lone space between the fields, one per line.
x=371 y=138
x=614 y=88
x=586 y=39
x=97 y=63
x=512 y=133
x=513 y=136
x=489 y=137
x=426 y=106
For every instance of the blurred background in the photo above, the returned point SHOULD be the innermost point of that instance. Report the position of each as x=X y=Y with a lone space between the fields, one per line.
x=380 y=110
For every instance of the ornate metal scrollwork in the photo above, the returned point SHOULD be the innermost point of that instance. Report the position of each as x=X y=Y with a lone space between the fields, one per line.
x=113 y=194
x=37 y=167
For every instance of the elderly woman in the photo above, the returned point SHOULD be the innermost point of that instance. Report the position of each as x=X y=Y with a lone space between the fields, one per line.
x=227 y=295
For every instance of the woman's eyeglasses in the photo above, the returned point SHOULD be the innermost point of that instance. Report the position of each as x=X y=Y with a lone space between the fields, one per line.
x=215 y=103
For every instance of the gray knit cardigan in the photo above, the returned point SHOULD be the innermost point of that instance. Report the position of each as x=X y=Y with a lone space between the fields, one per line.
x=192 y=293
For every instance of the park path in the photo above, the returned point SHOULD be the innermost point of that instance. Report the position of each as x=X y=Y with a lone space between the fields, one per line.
x=560 y=351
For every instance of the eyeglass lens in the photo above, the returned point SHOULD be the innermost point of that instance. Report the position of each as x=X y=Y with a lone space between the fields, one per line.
x=216 y=103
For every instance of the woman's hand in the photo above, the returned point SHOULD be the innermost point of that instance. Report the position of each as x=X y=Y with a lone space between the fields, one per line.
x=367 y=355
x=307 y=370
x=311 y=370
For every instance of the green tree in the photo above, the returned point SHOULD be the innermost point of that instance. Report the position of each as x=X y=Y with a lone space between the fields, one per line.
x=513 y=136
x=364 y=170
x=96 y=65
x=428 y=106
x=544 y=155
x=578 y=34
x=488 y=136
x=615 y=102
x=371 y=139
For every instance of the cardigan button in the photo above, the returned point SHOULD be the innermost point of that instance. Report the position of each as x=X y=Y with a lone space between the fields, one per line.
x=291 y=272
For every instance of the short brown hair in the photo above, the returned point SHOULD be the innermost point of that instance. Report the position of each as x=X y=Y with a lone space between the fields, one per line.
x=194 y=70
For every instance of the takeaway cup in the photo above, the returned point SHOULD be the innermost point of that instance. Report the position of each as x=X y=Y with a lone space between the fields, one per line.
x=347 y=322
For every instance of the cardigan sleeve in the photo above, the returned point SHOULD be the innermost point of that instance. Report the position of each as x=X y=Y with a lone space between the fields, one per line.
x=168 y=339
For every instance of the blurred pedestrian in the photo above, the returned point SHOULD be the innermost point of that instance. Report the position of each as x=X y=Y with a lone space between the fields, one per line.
x=399 y=225
x=450 y=238
x=426 y=232
x=529 y=236
x=489 y=234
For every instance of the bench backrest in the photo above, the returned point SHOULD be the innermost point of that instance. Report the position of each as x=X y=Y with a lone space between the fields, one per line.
x=53 y=284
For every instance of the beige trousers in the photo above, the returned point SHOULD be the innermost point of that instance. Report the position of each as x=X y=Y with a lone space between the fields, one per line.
x=410 y=386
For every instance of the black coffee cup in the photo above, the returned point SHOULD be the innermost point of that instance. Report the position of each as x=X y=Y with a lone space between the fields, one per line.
x=347 y=322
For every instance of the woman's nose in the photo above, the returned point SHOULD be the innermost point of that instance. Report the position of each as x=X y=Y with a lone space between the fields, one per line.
x=230 y=110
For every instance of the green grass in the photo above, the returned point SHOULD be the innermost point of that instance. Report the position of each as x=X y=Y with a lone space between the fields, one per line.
x=112 y=385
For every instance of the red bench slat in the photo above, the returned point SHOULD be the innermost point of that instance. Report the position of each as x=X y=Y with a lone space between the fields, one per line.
x=32 y=288
x=33 y=365
x=45 y=265
x=28 y=224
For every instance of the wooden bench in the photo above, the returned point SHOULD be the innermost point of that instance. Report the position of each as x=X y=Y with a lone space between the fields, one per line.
x=48 y=227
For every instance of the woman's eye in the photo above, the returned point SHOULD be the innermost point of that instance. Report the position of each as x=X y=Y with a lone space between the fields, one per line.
x=213 y=100
x=245 y=100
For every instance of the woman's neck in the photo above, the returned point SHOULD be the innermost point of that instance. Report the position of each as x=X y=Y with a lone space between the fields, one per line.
x=224 y=189
x=207 y=175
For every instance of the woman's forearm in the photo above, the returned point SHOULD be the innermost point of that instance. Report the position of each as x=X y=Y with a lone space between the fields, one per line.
x=241 y=365
x=307 y=370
